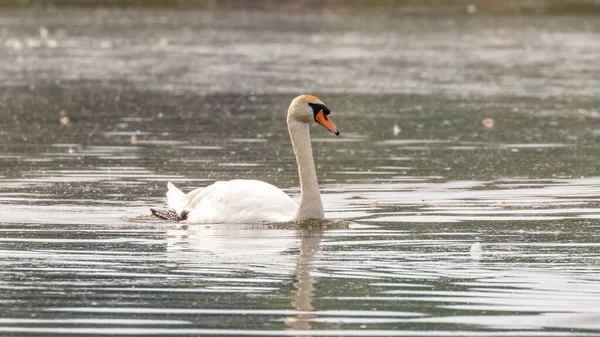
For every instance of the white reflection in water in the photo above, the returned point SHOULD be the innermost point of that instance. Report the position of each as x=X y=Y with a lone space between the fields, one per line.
x=396 y=266
x=231 y=243
x=257 y=248
x=460 y=201
x=559 y=320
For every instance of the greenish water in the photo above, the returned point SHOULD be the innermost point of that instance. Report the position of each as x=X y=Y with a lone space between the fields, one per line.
x=451 y=226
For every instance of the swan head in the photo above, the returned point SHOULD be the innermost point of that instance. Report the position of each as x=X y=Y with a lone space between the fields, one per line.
x=306 y=108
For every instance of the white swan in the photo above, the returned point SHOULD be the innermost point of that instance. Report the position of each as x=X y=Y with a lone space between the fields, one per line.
x=251 y=201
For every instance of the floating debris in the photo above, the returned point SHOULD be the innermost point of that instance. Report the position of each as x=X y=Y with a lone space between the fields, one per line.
x=44 y=33
x=64 y=120
x=476 y=251
x=396 y=129
x=471 y=9
x=487 y=123
x=134 y=140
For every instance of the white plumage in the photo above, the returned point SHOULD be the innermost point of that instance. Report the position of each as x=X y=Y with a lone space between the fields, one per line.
x=234 y=201
x=252 y=201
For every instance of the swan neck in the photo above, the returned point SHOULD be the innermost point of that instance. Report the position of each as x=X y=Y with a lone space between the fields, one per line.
x=311 y=206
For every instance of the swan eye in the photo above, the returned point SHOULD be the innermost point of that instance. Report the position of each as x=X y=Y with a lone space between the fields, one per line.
x=317 y=107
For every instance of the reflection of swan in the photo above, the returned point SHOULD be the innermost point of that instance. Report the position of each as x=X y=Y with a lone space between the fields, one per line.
x=255 y=247
x=242 y=245
x=304 y=286
x=251 y=201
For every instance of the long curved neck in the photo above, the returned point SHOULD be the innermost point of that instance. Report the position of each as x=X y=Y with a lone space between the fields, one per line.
x=311 y=206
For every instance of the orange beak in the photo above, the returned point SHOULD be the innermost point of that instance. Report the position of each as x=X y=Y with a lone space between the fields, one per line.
x=322 y=119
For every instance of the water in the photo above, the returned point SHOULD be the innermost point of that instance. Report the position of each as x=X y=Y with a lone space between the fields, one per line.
x=440 y=226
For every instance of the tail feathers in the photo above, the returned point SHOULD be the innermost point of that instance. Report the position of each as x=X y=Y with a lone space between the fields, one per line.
x=175 y=202
x=175 y=198
x=168 y=214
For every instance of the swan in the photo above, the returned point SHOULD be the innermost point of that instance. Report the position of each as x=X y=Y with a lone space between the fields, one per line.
x=253 y=201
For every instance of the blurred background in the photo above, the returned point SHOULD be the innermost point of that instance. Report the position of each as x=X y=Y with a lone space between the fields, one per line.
x=415 y=6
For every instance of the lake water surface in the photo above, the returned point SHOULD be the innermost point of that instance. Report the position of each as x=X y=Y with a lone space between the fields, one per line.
x=445 y=223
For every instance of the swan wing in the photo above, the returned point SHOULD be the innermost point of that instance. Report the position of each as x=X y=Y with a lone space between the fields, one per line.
x=234 y=201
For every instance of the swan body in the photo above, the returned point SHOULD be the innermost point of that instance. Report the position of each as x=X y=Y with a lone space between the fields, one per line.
x=234 y=201
x=253 y=201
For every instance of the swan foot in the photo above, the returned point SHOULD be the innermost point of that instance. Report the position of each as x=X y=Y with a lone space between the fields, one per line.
x=168 y=214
